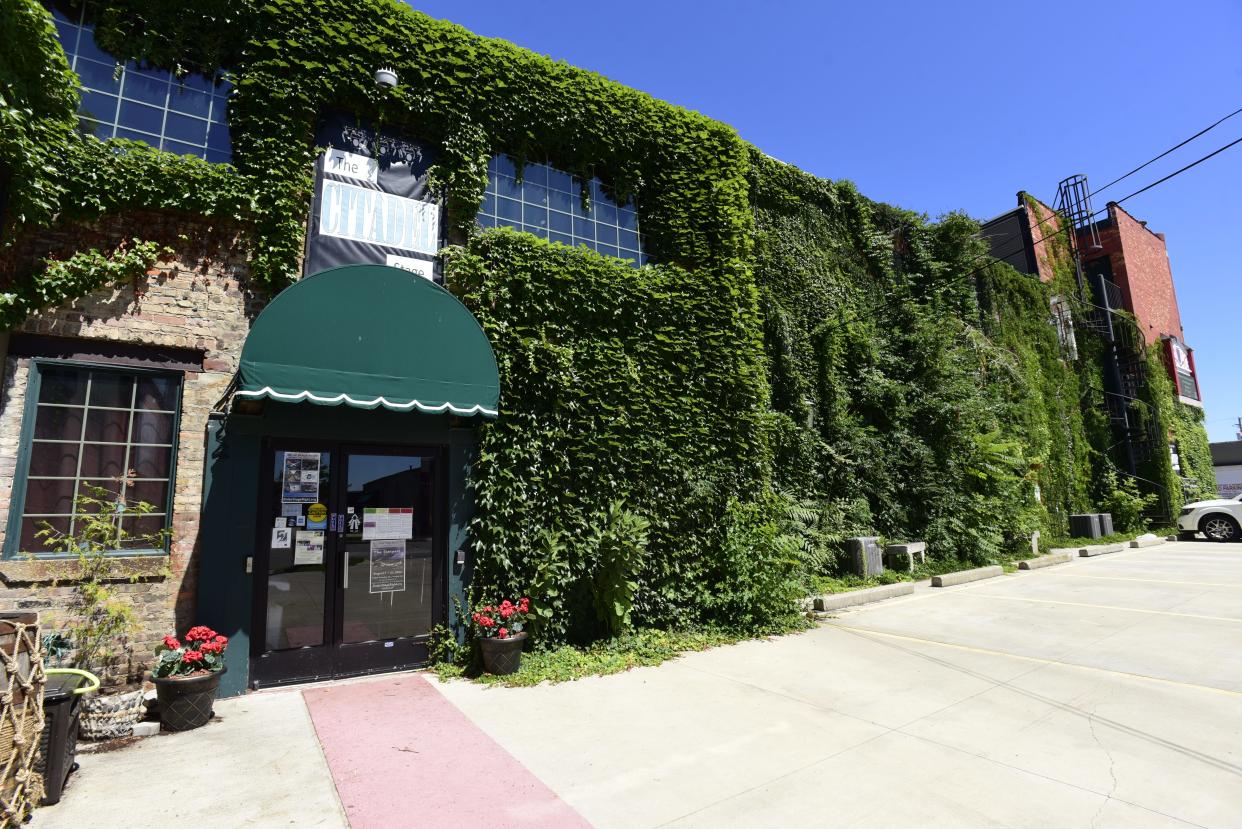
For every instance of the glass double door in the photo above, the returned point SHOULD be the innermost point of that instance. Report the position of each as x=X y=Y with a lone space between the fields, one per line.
x=348 y=577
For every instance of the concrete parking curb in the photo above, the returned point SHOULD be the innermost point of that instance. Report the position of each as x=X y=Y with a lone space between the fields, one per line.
x=1072 y=552
x=1046 y=561
x=836 y=601
x=1101 y=549
x=1146 y=542
x=963 y=576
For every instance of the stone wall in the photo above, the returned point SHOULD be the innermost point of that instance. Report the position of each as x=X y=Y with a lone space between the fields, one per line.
x=198 y=299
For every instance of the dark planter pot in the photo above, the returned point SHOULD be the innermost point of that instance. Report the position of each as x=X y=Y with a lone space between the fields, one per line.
x=502 y=656
x=185 y=701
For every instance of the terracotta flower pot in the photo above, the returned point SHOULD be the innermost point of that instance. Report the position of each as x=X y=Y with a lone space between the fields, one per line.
x=186 y=701
x=502 y=656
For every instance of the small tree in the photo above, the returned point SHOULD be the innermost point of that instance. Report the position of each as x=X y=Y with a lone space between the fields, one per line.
x=100 y=619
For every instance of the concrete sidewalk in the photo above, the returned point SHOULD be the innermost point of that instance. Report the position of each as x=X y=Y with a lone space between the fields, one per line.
x=1106 y=692
x=257 y=764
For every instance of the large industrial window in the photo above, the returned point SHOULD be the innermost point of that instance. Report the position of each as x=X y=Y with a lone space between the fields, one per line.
x=105 y=427
x=185 y=116
x=548 y=203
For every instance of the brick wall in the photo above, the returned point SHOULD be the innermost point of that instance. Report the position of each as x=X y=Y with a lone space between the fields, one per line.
x=1044 y=223
x=198 y=299
x=1140 y=263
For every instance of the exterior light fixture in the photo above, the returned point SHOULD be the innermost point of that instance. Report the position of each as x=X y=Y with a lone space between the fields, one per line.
x=386 y=78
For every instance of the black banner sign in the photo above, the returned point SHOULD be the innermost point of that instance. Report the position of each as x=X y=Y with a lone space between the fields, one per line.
x=372 y=204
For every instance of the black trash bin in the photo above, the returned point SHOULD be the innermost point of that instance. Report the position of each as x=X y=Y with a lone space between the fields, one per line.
x=58 y=744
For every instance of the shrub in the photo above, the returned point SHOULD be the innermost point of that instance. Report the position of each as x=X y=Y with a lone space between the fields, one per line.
x=1127 y=505
x=756 y=579
x=100 y=620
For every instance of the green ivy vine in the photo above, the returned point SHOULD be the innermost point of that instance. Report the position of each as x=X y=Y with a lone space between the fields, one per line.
x=798 y=344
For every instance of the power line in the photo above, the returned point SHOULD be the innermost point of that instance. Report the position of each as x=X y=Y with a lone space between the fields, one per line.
x=990 y=255
x=1206 y=129
x=1182 y=170
x=1151 y=160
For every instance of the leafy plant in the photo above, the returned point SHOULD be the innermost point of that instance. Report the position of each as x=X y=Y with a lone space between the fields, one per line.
x=443 y=647
x=756 y=578
x=57 y=647
x=100 y=618
x=619 y=545
x=1127 y=505
x=549 y=586
x=85 y=271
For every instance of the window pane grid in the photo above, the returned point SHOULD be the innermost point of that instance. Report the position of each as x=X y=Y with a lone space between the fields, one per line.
x=106 y=442
x=147 y=105
x=98 y=391
x=548 y=203
x=43 y=405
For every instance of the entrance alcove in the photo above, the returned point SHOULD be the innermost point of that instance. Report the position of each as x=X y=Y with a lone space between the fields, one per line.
x=334 y=496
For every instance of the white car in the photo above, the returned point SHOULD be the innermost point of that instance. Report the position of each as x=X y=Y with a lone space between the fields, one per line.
x=1219 y=520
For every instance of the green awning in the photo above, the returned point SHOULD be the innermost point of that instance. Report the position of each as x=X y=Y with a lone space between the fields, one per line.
x=369 y=336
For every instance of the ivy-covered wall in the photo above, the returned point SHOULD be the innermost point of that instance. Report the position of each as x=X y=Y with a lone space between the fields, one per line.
x=644 y=388
x=920 y=393
x=797 y=350
x=1183 y=427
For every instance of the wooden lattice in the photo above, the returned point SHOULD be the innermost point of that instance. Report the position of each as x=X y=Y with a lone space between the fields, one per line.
x=21 y=715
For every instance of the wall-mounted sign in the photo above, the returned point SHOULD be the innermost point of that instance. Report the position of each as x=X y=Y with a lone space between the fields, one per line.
x=423 y=267
x=1182 y=369
x=372 y=204
x=1181 y=359
x=351 y=165
x=348 y=211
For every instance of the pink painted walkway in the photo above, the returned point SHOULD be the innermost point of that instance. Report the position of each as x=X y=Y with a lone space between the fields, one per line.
x=403 y=755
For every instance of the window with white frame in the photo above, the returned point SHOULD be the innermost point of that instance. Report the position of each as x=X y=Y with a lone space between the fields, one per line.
x=548 y=203
x=87 y=426
x=1063 y=319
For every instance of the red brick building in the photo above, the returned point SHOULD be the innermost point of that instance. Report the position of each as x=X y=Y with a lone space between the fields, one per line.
x=1131 y=260
x=1134 y=259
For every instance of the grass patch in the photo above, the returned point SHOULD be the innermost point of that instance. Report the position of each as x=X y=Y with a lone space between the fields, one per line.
x=1116 y=538
x=822 y=585
x=612 y=656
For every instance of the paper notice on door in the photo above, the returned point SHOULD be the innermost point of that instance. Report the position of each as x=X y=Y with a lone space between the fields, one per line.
x=300 y=483
x=280 y=538
x=387 y=566
x=290 y=510
x=308 y=548
x=387 y=522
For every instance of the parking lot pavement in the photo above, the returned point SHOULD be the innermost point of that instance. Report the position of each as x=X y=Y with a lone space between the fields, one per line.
x=1103 y=692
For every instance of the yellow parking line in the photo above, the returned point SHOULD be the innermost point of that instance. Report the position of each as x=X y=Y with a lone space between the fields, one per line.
x=1151 y=581
x=989 y=652
x=1110 y=607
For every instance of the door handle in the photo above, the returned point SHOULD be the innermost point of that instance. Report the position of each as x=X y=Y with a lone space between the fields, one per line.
x=345 y=569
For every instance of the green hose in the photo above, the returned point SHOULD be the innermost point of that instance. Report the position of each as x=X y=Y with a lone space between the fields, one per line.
x=90 y=677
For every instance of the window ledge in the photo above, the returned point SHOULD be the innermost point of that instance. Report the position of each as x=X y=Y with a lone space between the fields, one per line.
x=1189 y=401
x=46 y=570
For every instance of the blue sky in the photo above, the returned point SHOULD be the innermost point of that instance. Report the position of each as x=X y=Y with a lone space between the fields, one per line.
x=957 y=106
